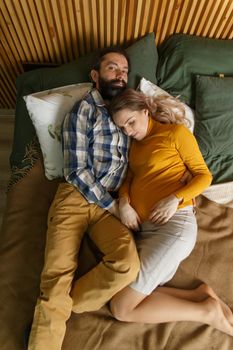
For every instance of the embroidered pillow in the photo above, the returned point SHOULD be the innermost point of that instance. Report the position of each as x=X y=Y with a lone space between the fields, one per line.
x=47 y=110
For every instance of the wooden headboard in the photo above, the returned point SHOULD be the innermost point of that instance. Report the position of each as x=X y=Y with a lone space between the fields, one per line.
x=59 y=31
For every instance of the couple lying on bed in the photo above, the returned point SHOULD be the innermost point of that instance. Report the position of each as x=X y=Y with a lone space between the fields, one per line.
x=153 y=202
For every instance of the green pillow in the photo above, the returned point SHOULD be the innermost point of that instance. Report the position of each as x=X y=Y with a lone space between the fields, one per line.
x=143 y=56
x=144 y=59
x=182 y=57
x=214 y=124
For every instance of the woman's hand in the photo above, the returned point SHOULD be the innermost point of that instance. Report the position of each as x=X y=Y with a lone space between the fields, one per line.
x=186 y=177
x=114 y=209
x=164 y=209
x=128 y=215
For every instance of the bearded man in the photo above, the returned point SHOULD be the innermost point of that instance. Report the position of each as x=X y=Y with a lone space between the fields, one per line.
x=95 y=159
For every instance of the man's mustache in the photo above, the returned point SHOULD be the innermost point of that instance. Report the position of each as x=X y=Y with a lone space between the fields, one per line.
x=117 y=81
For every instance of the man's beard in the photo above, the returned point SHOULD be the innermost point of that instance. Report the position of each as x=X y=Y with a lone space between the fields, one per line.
x=109 y=89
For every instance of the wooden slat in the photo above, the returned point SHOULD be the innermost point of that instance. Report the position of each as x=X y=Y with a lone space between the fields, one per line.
x=167 y=20
x=12 y=30
x=18 y=22
x=101 y=17
x=6 y=102
x=115 y=21
x=190 y=16
x=36 y=29
x=162 y=16
x=11 y=55
x=59 y=37
x=122 y=15
x=5 y=62
x=62 y=30
x=79 y=25
x=153 y=19
x=46 y=21
x=95 y=38
x=227 y=31
x=108 y=22
x=220 y=18
x=138 y=18
x=228 y=13
x=228 y=18
x=174 y=16
x=145 y=16
x=25 y=22
x=130 y=19
x=183 y=16
x=73 y=29
x=7 y=86
x=85 y=18
x=63 y=22
x=32 y=36
x=195 y=23
x=207 y=10
x=12 y=52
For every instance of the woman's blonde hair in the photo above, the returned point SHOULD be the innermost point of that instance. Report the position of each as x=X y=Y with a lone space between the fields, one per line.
x=163 y=108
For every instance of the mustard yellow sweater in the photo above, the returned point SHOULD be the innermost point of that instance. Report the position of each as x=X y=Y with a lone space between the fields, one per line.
x=157 y=163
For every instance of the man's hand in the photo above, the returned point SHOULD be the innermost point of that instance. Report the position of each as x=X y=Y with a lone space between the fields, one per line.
x=164 y=209
x=128 y=215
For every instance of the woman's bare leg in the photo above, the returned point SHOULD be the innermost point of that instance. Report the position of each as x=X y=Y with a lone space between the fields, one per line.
x=200 y=293
x=132 y=306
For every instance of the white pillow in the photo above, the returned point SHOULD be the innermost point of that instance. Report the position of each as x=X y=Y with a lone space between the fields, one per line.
x=151 y=89
x=47 y=110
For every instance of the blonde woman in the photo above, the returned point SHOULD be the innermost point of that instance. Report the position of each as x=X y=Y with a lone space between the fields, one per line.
x=154 y=203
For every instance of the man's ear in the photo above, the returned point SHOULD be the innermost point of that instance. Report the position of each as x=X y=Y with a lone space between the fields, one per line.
x=94 y=75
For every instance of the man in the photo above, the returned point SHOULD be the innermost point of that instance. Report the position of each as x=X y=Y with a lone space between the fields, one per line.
x=95 y=160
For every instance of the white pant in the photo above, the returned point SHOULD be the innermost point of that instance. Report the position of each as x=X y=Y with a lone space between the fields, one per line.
x=162 y=247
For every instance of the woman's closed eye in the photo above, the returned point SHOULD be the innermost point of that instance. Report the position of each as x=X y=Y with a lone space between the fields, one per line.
x=130 y=123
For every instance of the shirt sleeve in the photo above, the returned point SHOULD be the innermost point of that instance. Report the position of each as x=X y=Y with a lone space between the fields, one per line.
x=77 y=168
x=191 y=155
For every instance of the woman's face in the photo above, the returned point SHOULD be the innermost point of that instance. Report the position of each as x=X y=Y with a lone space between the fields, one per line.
x=133 y=123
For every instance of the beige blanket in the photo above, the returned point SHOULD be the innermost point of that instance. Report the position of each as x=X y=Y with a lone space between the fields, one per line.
x=22 y=243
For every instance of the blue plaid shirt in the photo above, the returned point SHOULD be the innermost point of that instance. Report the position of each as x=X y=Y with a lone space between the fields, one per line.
x=95 y=150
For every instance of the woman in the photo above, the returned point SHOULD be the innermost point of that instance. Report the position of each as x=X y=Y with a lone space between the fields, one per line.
x=153 y=202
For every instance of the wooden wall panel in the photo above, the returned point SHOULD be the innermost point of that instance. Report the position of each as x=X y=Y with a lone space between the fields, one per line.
x=61 y=30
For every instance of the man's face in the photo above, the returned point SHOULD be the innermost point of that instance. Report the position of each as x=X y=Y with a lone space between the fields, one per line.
x=112 y=77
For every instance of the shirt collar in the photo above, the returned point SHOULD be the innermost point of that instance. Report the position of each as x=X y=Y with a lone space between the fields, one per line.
x=97 y=98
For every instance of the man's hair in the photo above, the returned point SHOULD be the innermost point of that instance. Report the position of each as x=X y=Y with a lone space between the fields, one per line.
x=99 y=57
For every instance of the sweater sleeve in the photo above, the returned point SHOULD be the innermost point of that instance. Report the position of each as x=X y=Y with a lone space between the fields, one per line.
x=124 y=190
x=190 y=154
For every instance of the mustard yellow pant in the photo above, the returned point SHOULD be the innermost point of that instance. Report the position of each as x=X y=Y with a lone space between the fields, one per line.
x=70 y=216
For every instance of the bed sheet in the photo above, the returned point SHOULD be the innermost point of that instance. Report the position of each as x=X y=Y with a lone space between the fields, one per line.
x=22 y=242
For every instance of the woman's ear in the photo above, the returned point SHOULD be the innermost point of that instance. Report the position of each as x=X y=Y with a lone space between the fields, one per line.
x=94 y=74
x=146 y=112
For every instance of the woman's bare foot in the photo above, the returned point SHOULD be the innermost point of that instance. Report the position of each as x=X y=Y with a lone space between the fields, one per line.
x=225 y=308
x=216 y=317
x=203 y=292
x=200 y=294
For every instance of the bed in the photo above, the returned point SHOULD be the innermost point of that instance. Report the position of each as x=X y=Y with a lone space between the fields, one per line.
x=200 y=71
